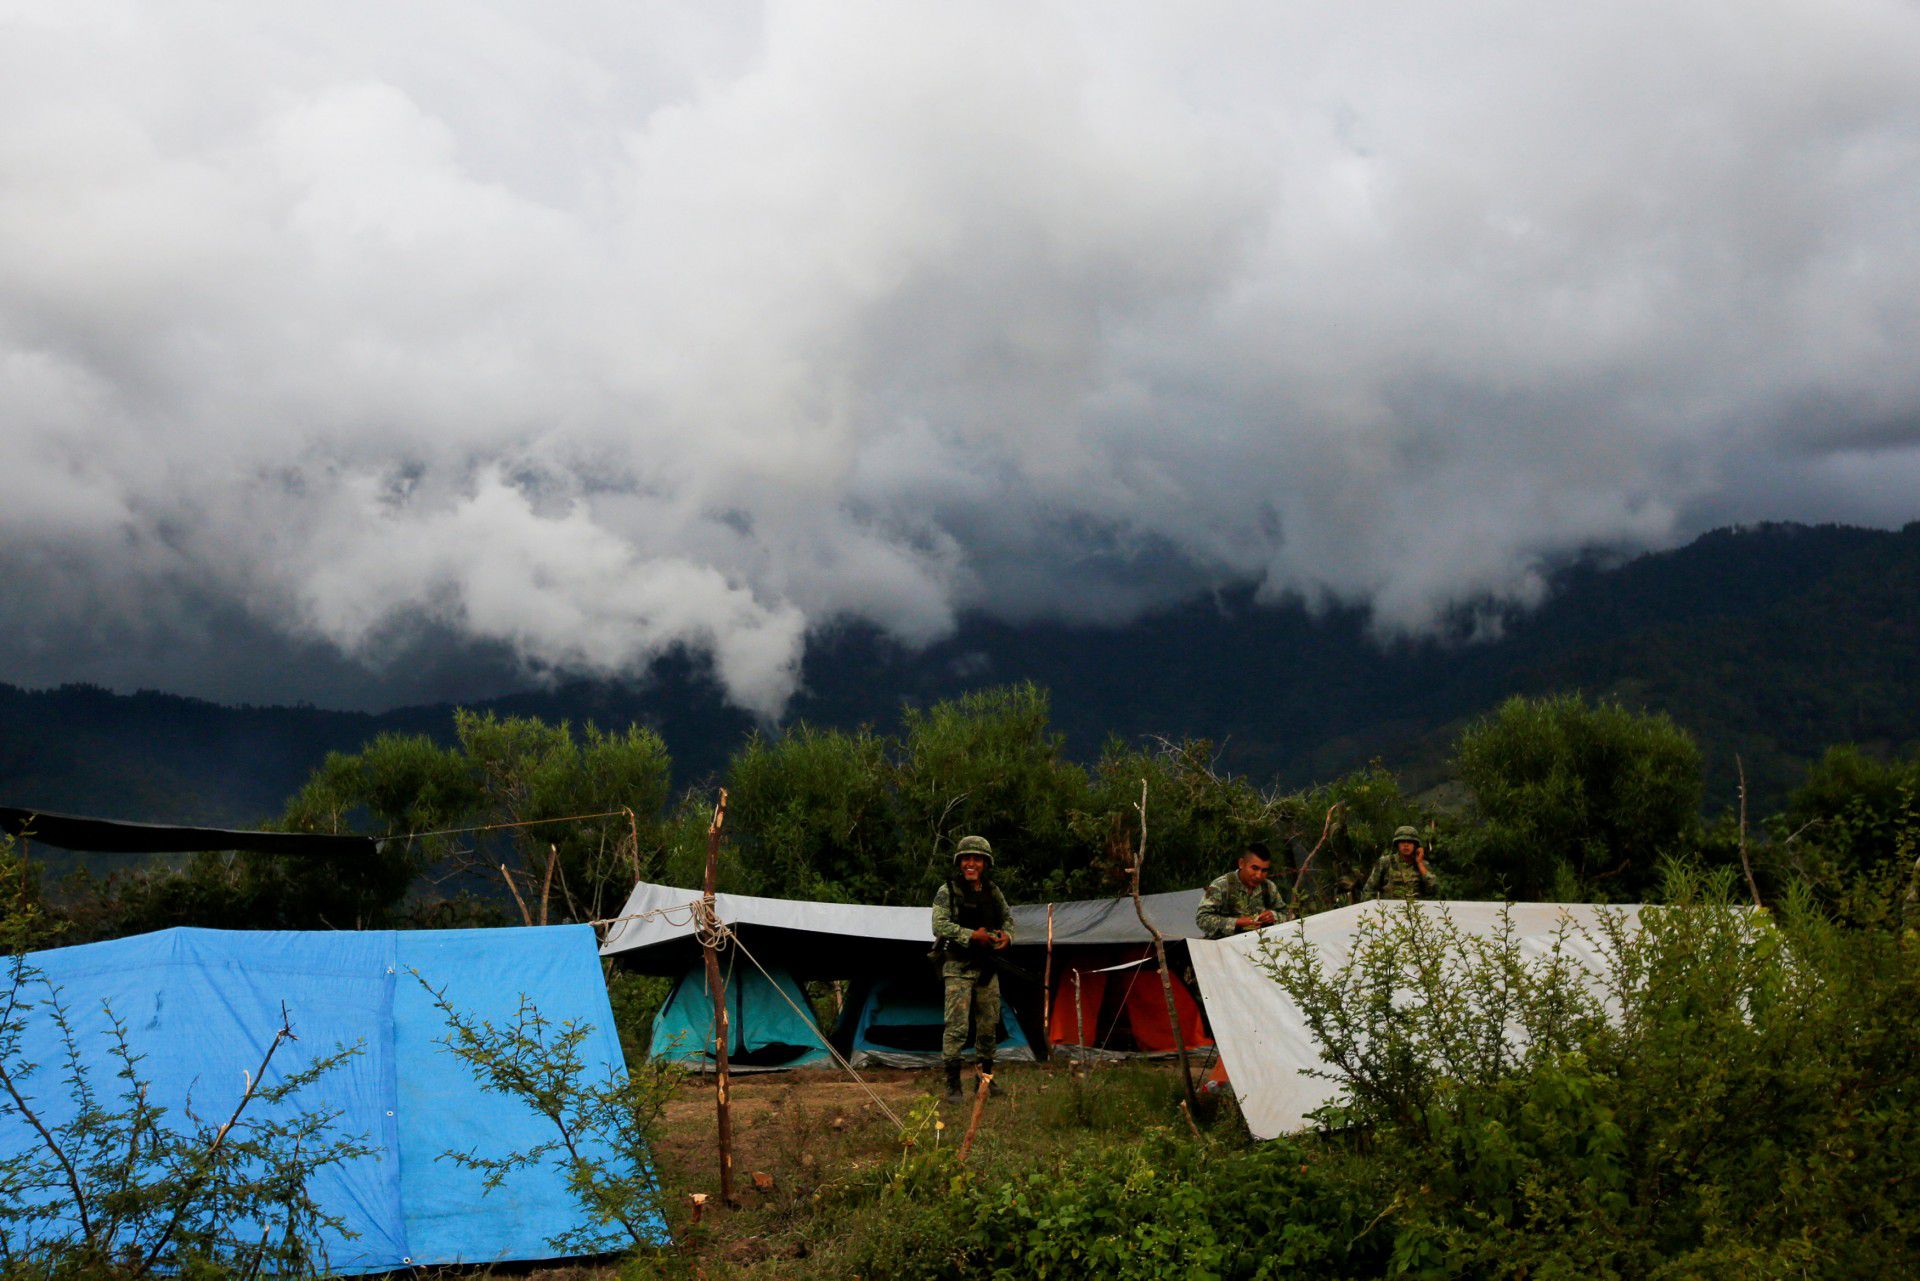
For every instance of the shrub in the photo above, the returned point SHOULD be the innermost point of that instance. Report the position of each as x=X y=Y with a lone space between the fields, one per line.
x=1152 y=1206
x=1744 y=1105
x=602 y=1128
x=1569 y=796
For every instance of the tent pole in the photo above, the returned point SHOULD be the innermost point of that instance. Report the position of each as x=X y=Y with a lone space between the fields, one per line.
x=1160 y=955
x=717 y=989
x=1046 y=989
x=1079 y=1015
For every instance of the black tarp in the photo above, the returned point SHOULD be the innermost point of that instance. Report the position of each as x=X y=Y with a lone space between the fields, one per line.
x=111 y=836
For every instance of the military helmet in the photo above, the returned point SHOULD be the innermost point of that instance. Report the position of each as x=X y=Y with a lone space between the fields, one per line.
x=1406 y=832
x=973 y=845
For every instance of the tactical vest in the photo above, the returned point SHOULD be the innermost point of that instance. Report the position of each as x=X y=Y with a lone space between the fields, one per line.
x=979 y=911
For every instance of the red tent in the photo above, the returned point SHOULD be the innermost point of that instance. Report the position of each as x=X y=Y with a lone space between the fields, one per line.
x=1113 y=1003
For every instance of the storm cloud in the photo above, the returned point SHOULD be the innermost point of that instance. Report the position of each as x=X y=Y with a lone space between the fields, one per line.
x=586 y=331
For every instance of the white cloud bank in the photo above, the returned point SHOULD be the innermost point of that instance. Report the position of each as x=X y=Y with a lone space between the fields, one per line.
x=595 y=329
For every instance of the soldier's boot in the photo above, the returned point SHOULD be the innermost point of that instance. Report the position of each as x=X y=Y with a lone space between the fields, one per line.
x=986 y=1070
x=953 y=1081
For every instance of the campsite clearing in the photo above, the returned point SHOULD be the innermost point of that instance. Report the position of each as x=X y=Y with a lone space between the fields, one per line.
x=830 y=1151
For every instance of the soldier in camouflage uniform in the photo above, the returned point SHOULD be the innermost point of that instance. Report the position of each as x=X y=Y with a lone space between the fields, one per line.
x=1243 y=899
x=971 y=921
x=1402 y=871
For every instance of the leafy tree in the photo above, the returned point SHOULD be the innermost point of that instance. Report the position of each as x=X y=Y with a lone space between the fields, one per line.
x=396 y=784
x=25 y=923
x=813 y=813
x=1357 y=812
x=1569 y=797
x=531 y=772
x=990 y=764
x=1198 y=819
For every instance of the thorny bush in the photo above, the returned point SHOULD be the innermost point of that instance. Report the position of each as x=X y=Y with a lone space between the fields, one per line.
x=110 y=1184
x=602 y=1126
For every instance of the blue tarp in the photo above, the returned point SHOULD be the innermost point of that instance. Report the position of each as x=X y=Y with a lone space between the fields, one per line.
x=201 y=1007
x=765 y=1031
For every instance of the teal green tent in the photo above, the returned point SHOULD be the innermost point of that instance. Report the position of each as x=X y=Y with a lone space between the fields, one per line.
x=765 y=1030
x=897 y=1020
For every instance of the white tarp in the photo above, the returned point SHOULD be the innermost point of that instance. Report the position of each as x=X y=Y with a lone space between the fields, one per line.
x=1264 y=1038
x=656 y=914
x=663 y=913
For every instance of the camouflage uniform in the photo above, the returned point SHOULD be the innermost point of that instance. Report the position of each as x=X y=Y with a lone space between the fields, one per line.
x=1394 y=879
x=971 y=977
x=1227 y=900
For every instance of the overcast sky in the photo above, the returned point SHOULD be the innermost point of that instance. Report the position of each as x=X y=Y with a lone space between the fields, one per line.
x=559 y=333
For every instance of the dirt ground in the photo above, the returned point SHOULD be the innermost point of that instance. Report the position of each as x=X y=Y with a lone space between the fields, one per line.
x=808 y=1139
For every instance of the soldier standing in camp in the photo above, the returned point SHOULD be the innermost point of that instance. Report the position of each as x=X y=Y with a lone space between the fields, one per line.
x=1243 y=899
x=1401 y=872
x=971 y=922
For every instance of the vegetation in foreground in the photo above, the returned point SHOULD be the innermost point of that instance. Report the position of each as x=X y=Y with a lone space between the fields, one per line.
x=1748 y=1112
x=1745 y=1108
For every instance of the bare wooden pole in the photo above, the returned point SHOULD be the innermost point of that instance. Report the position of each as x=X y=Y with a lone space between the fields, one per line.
x=1160 y=957
x=1326 y=828
x=717 y=989
x=973 y=1126
x=526 y=917
x=1746 y=864
x=1079 y=1017
x=546 y=882
x=633 y=830
x=1046 y=988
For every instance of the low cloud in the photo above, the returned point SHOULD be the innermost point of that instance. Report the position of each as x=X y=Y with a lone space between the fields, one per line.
x=581 y=333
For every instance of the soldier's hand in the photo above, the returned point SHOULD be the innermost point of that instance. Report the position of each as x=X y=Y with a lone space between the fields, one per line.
x=1244 y=922
x=1000 y=940
x=1266 y=918
x=981 y=937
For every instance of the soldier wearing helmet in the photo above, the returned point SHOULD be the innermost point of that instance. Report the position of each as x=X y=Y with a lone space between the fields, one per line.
x=1401 y=872
x=971 y=922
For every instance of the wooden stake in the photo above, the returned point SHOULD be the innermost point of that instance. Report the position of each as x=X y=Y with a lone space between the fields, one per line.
x=1046 y=988
x=717 y=989
x=1752 y=886
x=526 y=917
x=1079 y=1016
x=979 y=1105
x=633 y=829
x=546 y=882
x=1160 y=956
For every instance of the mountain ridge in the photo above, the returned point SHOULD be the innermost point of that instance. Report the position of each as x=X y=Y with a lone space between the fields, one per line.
x=1769 y=642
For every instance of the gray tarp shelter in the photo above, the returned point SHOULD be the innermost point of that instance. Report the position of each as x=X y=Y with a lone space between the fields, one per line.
x=1104 y=921
x=794 y=939
x=653 y=933
x=1116 y=1007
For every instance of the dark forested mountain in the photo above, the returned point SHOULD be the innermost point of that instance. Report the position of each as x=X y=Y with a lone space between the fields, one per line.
x=1771 y=642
